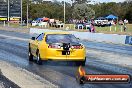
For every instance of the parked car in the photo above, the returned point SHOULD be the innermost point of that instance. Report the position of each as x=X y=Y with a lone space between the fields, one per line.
x=59 y=24
x=101 y=21
x=34 y=23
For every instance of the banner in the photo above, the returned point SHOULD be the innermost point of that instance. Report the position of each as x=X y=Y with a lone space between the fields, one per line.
x=3 y=19
x=14 y=18
x=128 y=40
x=82 y=77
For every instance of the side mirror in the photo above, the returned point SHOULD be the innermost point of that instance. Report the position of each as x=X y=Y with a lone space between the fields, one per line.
x=33 y=38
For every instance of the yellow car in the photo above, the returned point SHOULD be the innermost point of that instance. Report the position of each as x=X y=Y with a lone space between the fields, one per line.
x=57 y=46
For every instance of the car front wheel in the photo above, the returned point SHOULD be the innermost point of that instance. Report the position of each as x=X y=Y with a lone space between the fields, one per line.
x=39 y=61
x=30 y=55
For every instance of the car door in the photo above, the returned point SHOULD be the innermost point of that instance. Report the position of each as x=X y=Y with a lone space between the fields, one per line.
x=36 y=43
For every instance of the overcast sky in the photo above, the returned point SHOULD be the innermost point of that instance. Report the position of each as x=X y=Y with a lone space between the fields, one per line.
x=99 y=0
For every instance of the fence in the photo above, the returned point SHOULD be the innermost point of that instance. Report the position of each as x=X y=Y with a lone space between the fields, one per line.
x=99 y=37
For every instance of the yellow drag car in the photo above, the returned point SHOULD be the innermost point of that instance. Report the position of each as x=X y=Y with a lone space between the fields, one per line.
x=57 y=46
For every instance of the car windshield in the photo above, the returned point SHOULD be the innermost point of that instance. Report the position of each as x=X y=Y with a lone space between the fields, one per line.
x=61 y=38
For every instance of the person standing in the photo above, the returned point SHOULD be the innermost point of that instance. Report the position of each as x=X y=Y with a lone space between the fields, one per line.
x=92 y=28
x=124 y=25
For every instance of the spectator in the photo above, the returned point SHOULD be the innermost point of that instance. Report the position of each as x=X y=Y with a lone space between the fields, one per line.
x=110 y=23
x=89 y=28
x=92 y=28
x=124 y=27
x=125 y=21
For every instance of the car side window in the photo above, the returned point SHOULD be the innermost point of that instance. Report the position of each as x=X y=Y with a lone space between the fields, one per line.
x=40 y=37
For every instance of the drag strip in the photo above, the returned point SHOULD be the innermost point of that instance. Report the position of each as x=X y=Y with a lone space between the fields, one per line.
x=15 y=51
x=6 y=83
x=123 y=49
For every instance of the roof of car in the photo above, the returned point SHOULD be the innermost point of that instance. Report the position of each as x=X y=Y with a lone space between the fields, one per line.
x=57 y=33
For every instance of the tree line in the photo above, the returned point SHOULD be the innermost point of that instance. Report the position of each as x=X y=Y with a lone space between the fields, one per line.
x=79 y=9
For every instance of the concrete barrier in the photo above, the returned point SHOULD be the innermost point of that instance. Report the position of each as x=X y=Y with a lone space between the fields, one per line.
x=99 y=37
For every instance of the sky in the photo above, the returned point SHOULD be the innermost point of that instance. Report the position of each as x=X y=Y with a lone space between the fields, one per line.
x=110 y=0
x=99 y=0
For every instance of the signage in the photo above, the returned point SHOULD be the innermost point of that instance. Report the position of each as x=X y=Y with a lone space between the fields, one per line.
x=128 y=40
x=14 y=19
x=3 y=19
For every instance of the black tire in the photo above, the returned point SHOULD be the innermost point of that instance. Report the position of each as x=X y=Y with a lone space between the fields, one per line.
x=30 y=56
x=81 y=63
x=39 y=61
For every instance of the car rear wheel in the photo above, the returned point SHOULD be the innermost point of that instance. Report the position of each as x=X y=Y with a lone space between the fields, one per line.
x=30 y=55
x=81 y=63
x=39 y=61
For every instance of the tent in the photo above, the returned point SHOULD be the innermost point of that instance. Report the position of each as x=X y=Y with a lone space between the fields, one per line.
x=45 y=19
x=111 y=17
x=42 y=19
x=39 y=19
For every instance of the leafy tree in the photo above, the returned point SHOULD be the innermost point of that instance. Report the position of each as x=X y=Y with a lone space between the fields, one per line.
x=24 y=8
x=78 y=10
x=128 y=14
x=82 y=10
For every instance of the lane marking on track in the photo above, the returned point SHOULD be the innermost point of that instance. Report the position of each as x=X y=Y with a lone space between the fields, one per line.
x=13 y=37
x=53 y=76
x=24 y=78
x=110 y=57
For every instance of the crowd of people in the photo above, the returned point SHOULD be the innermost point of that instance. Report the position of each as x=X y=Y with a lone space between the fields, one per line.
x=91 y=24
x=84 y=24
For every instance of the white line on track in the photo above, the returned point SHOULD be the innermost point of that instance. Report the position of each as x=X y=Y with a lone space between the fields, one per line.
x=24 y=78
x=12 y=37
x=111 y=57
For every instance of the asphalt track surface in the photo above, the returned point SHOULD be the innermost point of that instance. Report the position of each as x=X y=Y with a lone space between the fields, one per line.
x=6 y=83
x=63 y=73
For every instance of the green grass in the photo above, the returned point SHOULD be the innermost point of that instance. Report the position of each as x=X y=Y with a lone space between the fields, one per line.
x=98 y=29
x=115 y=29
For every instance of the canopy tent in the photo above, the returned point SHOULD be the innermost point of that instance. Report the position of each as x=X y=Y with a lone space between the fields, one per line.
x=45 y=19
x=111 y=17
x=42 y=19
x=39 y=19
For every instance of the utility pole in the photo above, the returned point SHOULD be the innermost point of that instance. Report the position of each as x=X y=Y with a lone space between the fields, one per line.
x=64 y=12
x=27 y=12
x=21 y=12
x=8 y=11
